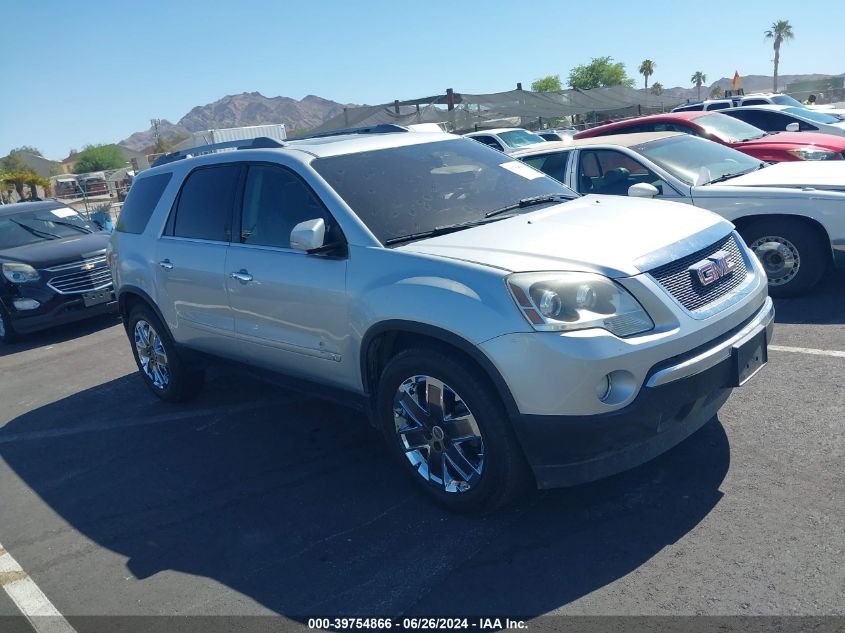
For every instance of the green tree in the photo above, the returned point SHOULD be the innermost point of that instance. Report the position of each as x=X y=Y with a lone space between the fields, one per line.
x=547 y=84
x=18 y=180
x=657 y=88
x=98 y=158
x=698 y=79
x=601 y=71
x=647 y=70
x=29 y=149
x=780 y=32
x=15 y=164
x=716 y=92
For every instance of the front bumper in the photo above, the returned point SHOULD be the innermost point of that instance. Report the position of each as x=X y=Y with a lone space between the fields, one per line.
x=55 y=309
x=679 y=396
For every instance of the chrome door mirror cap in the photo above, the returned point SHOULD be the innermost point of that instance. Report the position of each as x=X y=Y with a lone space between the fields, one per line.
x=643 y=190
x=792 y=127
x=308 y=235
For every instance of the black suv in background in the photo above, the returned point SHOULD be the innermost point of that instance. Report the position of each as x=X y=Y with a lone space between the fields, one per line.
x=53 y=268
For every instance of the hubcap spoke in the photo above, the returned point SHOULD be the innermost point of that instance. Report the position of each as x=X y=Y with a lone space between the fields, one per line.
x=151 y=355
x=438 y=434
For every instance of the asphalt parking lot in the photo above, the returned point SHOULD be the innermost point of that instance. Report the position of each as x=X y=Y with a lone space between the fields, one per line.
x=254 y=500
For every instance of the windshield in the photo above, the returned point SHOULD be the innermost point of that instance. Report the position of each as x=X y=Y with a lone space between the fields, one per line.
x=407 y=190
x=787 y=100
x=520 y=138
x=728 y=129
x=684 y=156
x=28 y=227
x=812 y=115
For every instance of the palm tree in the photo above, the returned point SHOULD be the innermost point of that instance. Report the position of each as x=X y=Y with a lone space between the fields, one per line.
x=646 y=70
x=780 y=32
x=657 y=88
x=698 y=78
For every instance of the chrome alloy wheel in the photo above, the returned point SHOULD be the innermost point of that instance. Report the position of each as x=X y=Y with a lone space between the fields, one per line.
x=779 y=257
x=151 y=354
x=438 y=433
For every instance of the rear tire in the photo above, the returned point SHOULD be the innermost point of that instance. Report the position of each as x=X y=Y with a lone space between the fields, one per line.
x=163 y=370
x=447 y=427
x=791 y=252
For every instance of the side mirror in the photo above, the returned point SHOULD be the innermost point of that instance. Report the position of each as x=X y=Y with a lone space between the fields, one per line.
x=308 y=235
x=792 y=127
x=643 y=190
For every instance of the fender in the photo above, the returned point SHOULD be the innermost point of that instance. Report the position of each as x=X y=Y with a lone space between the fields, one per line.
x=450 y=338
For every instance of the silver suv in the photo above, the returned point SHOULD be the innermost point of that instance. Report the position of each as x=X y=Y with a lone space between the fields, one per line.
x=495 y=325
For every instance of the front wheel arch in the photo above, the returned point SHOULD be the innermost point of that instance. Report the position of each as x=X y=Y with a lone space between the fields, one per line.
x=386 y=339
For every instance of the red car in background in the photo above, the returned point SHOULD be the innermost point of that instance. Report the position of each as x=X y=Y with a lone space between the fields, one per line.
x=746 y=138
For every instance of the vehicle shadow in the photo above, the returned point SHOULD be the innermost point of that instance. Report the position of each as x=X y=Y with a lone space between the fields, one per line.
x=824 y=304
x=59 y=334
x=294 y=503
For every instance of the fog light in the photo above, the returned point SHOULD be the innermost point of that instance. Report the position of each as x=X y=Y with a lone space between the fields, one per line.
x=603 y=387
x=26 y=304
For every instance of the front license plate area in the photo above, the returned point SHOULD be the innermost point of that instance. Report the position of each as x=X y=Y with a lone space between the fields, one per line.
x=96 y=297
x=748 y=357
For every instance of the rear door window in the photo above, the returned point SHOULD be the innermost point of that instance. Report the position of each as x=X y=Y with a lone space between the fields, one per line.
x=204 y=208
x=553 y=165
x=140 y=203
x=489 y=141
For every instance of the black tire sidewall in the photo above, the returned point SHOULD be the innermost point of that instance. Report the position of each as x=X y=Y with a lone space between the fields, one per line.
x=810 y=250
x=9 y=336
x=503 y=459
x=179 y=388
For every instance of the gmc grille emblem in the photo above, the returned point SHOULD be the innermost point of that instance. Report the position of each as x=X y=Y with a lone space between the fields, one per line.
x=716 y=266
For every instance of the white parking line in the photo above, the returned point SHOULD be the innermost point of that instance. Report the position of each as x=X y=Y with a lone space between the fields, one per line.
x=807 y=350
x=31 y=601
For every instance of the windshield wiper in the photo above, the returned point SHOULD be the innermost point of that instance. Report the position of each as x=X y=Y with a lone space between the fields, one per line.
x=527 y=202
x=724 y=177
x=437 y=230
x=36 y=232
x=70 y=224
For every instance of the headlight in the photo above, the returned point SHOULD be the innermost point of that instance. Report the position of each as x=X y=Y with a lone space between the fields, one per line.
x=813 y=153
x=19 y=273
x=560 y=302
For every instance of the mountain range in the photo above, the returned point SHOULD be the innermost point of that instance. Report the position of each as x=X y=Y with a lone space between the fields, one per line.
x=248 y=108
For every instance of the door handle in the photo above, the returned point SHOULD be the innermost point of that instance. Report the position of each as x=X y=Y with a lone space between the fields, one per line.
x=166 y=264
x=242 y=275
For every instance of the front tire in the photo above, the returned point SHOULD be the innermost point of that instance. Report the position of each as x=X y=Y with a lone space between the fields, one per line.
x=791 y=253
x=449 y=431
x=164 y=371
x=7 y=331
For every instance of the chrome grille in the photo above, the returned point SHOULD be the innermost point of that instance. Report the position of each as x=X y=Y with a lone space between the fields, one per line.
x=679 y=282
x=84 y=276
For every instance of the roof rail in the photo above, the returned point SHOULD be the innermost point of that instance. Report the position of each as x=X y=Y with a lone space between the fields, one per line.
x=261 y=142
x=381 y=128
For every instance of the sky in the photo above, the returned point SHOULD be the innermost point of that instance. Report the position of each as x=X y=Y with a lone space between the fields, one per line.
x=78 y=73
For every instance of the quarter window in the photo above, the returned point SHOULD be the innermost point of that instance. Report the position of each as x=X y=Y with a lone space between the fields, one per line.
x=205 y=203
x=140 y=203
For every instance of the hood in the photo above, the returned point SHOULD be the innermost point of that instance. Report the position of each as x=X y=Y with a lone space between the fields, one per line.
x=814 y=174
x=62 y=251
x=603 y=234
x=794 y=140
